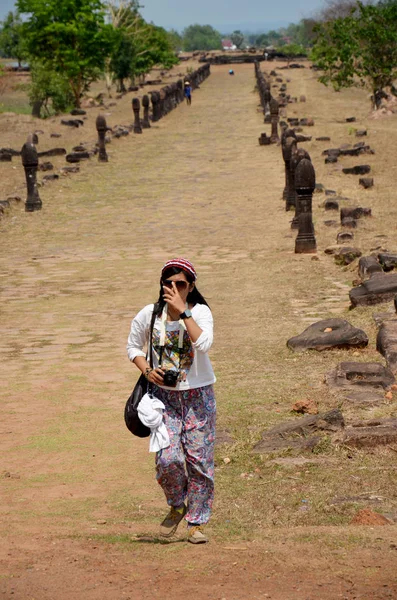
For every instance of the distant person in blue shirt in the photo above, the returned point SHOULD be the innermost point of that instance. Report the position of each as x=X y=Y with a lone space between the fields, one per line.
x=188 y=92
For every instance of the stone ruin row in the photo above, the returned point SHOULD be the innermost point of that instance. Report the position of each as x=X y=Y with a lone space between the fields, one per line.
x=360 y=384
x=162 y=102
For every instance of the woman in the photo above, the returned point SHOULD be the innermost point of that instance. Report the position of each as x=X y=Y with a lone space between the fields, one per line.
x=182 y=378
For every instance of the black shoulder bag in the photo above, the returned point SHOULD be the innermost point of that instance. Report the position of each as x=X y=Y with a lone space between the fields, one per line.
x=131 y=417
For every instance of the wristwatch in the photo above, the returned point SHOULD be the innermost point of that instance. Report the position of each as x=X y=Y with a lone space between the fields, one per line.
x=187 y=314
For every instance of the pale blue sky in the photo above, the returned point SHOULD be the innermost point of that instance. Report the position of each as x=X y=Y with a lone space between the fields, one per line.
x=249 y=14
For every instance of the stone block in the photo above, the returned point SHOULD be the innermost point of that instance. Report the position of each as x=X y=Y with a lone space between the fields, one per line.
x=388 y=261
x=346 y=255
x=367 y=266
x=301 y=434
x=328 y=334
x=357 y=170
x=386 y=343
x=360 y=376
x=366 y=182
x=382 y=287
x=344 y=236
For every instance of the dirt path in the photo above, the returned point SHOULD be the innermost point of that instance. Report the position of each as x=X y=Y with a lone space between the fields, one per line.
x=80 y=506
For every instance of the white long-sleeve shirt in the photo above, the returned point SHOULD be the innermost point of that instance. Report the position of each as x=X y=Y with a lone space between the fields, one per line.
x=195 y=361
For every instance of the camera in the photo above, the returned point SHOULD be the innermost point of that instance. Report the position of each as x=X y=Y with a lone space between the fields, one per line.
x=171 y=378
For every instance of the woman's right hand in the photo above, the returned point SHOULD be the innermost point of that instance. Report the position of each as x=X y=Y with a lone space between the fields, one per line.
x=156 y=376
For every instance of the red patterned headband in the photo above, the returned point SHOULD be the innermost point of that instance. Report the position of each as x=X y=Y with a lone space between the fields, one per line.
x=181 y=263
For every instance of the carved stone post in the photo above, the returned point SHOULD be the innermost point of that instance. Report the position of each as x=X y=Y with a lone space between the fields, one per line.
x=156 y=106
x=295 y=160
x=305 y=182
x=275 y=118
x=162 y=111
x=286 y=133
x=101 y=128
x=145 y=104
x=136 y=106
x=179 y=84
x=288 y=148
x=267 y=97
x=30 y=161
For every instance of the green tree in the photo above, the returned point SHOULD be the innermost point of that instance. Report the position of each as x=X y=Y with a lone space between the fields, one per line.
x=360 y=49
x=176 y=40
x=201 y=37
x=48 y=90
x=69 y=37
x=138 y=45
x=293 y=50
x=237 y=38
x=11 y=40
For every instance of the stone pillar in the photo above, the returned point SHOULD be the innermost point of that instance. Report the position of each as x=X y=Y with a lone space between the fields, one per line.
x=145 y=104
x=266 y=99
x=156 y=106
x=288 y=148
x=305 y=182
x=179 y=84
x=136 y=106
x=295 y=160
x=275 y=118
x=30 y=161
x=101 y=128
x=286 y=133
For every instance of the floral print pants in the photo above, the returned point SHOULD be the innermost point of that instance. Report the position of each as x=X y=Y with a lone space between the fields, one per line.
x=185 y=470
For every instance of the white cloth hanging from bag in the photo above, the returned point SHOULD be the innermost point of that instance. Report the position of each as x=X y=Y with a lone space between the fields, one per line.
x=150 y=411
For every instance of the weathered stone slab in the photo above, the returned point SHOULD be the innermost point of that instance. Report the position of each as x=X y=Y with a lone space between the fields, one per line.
x=75 y=157
x=382 y=287
x=52 y=152
x=388 y=261
x=368 y=435
x=355 y=375
x=67 y=170
x=367 y=266
x=46 y=166
x=349 y=222
x=386 y=343
x=346 y=255
x=357 y=170
x=301 y=434
x=366 y=182
x=72 y=122
x=51 y=177
x=328 y=334
x=344 y=236
x=355 y=212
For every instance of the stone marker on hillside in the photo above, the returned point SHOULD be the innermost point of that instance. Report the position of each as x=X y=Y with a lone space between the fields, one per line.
x=145 y=104
x=101 y=129
x=327 y=334
x=136 y=107
x=305 y=181
x=30 y=161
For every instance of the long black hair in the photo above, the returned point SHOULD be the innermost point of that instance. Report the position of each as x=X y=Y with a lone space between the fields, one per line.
x=193 y=297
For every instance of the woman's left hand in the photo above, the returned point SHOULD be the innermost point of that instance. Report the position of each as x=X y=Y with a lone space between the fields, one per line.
x=173 y=299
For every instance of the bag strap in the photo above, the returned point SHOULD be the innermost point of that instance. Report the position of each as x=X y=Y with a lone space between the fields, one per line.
x=150 y=346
